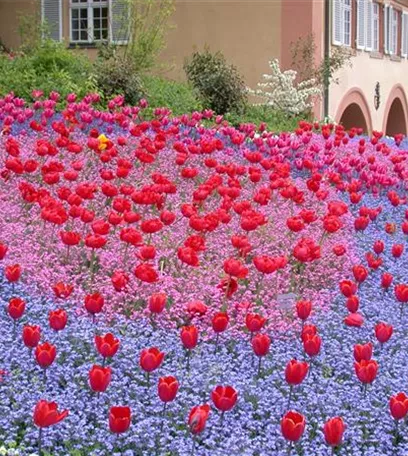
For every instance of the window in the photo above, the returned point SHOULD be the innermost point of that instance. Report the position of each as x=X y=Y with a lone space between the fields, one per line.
x=342 y=22
x=368 y=22
x=391 y=17
x=404 y=37
x=89 y=20
x=376 y=27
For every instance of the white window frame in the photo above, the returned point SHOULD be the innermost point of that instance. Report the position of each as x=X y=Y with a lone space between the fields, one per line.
x=376 y=26
x=394 y=32
x=89 y=5
x=344 y=9
x=368 y=25
x=404 y=35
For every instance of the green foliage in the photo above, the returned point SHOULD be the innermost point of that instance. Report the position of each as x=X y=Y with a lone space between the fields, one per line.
x=116 y=74
x=217 y=83
x=146 y=26
x=177 y=96
x=276 y=121
x=49 y=66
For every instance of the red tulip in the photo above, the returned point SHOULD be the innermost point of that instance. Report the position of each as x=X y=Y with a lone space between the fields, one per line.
x=95 y=241
x=224 y=397
x=303 y=309
x=58 y=319
x=62 y=290
x=311 y=345
x=308 y=330
x=45 y=354
x=353 y=304
x=254 y=322
x=3 y=250
x=107 y=345
x=354 y=319
x=366 y=371
x=383 y=332
x=119 y=419
x=360 y=273
x=219 y=322
x=197 y=418
x=348 y=288
x=397 y=250
x=378 y=247
x=13 y=273
x=94 y=303
x=399 y=406
x=189 y=337
x=46 y=414
x=99 y=378
x=16 y=308
x=157 y=302
x=119 y=280
x=31 y=335
x=296 y=371
x=401 y=292
x=292 y=426
x=70 y=238
x=363 y=351
x=150 y=359
x=331 y=223
x=146 y=273
x=167 y=388
x=261 y=344
x=333 y=431
x=386 y=280
x=235 y=268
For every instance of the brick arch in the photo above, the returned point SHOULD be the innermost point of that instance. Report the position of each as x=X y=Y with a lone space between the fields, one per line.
x=353 y=111
x=396 y=112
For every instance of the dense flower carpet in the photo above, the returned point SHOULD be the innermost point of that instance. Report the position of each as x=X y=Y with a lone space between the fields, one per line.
x=176 y=286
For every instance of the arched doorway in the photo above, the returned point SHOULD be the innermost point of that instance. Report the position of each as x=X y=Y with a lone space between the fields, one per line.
x=353 y=111
x=395 y=119
x=396 y=122
x=353 y=116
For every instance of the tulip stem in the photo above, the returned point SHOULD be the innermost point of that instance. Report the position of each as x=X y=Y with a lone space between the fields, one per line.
x=188 y=360
x=148 y=379
x=194 y=446
x=290 y=396
x=365 y=390
x=45 y=376
x=216 y=343
x=39 y=441
x=222 y=419
x=259 y=366
x=290 y=448
x=163 y=416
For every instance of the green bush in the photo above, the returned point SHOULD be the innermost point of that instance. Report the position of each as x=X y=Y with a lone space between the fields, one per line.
x=276 y=121
x=47 y=67
x=218 y=84
x=117 y=75
x=177 y=96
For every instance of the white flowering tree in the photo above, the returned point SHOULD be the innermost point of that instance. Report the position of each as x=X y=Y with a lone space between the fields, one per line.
x=280 y=90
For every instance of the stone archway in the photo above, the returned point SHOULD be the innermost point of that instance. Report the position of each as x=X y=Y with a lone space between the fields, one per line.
x=353 y=116
x=396 y=112
x=353 y=111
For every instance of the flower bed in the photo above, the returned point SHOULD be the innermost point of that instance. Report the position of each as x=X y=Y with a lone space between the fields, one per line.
x=237 y=254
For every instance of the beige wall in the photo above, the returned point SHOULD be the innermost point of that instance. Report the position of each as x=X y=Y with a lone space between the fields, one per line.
x=247 y=32
x=10 y=12
x=365 y=72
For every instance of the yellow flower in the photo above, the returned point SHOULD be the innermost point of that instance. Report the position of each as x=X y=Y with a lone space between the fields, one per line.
x=103 y=142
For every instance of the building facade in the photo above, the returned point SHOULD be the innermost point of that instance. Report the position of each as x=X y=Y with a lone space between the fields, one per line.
x=371 y=93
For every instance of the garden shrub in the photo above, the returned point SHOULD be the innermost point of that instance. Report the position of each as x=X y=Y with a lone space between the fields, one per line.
x=47 y=67
x=117 y=75
x=218 y=84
